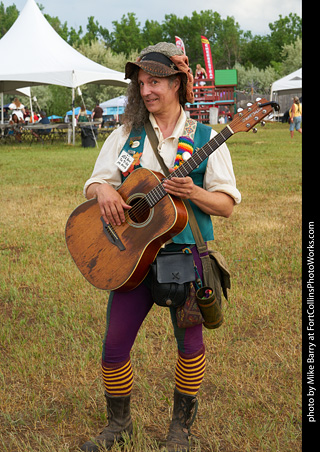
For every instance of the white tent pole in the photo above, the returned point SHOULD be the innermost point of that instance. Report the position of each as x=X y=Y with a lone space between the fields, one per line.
x=2 y=115
x=31 y=107
x=73 y=119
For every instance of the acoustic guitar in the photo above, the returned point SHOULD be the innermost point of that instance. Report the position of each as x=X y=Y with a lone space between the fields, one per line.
x=119 y=257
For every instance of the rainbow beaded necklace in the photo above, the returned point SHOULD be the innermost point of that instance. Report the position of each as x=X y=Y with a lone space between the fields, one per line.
x=186 y=143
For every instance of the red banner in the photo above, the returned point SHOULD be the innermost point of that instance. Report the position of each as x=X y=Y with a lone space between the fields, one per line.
x=180 y=44
x=207 y=57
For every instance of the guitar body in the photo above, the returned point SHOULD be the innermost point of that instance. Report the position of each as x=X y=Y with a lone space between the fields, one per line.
x=119 y=257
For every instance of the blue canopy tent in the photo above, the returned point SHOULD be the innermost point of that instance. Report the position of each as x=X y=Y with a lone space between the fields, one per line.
x=113 y=111
x=54 y=117
x=114 y=106
x=76 y=111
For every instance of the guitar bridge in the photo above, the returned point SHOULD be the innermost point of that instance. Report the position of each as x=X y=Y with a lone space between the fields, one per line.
x=112 y=235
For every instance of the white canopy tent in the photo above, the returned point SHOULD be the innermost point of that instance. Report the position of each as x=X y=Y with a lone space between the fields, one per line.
x=114 y=106
x=290 y=84
x=46 y=59
x=17 y=92
x=284 y=89
x=119 y=101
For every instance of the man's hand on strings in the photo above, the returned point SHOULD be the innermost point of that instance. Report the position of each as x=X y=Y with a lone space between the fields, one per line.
x=182 y=187
x=112 y=205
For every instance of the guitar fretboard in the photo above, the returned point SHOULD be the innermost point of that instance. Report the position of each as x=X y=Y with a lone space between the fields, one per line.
x=198 y=156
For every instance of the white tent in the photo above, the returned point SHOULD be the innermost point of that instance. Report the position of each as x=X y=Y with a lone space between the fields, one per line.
x=114 y=106
x=119 y=101
x=17 y=92
x=45 y=58
x=290 y=84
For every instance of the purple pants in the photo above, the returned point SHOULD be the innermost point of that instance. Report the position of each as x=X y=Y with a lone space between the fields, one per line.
x=125 y=314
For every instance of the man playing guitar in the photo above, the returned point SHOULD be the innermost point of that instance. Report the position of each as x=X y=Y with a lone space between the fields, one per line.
x=161 y=84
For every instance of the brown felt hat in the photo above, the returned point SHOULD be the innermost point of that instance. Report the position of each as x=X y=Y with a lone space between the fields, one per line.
x=154 y=63
x=163 y=60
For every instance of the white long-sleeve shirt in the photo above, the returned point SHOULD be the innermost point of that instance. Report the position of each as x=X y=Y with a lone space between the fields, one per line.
x=219 y=175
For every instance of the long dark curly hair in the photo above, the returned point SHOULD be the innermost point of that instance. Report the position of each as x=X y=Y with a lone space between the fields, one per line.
x=136 y=114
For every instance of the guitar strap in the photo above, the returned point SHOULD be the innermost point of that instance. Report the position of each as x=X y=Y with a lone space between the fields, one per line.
x=201 y=246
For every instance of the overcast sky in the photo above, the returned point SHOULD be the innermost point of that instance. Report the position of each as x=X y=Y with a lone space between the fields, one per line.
x=252 y=15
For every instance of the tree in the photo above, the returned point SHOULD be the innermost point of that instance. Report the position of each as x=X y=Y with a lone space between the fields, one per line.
x=255 y=80
x=292 y=57
x=286 y=30
x=257 y=52
x=152 y=33
x=74 y=37
x=228 y=44
x=7 y=17
x=126 y=36
x=95 y=32
x=224 y=36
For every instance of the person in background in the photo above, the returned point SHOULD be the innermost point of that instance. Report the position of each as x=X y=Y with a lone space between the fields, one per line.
x=200 y=75
x=97 y=114
x=161 y=84
x=33 y=118
x=18 y=111
x=295 y=115
x=82 y=115
x=41 y=132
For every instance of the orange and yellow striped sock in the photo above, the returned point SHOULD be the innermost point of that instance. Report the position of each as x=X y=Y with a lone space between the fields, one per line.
x=189 y=373
x=118 y=379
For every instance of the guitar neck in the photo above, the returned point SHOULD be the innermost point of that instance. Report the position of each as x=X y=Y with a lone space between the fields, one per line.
x=199 y=156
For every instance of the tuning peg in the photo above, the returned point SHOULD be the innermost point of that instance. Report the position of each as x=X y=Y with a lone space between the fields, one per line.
x=263 y=123
x=258 y=99
x=249 y=104
x=254 y=130
x=240 y=109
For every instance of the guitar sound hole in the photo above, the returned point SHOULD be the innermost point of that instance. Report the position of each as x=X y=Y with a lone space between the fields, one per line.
x=140 y=210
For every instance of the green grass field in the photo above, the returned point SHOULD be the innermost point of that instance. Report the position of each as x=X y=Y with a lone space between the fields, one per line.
x=52 y=319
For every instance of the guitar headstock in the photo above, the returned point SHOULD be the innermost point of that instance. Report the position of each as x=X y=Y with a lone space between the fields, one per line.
x=252 y=115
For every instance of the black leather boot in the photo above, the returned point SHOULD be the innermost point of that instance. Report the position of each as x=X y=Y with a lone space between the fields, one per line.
x=184 y=412
x=119 y=422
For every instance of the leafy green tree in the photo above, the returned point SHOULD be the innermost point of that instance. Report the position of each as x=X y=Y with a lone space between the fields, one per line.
x=224 y=36
x=228 y=44
x=254 y=80
x=292 y=57
x=152 y=33
x=127 y=36
x=286 y=30
x=7 y=17
x=190 y=29
x=92 y=31
x=95 y=32
x=257 y=52
x=74 y=37
x=59 y=100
